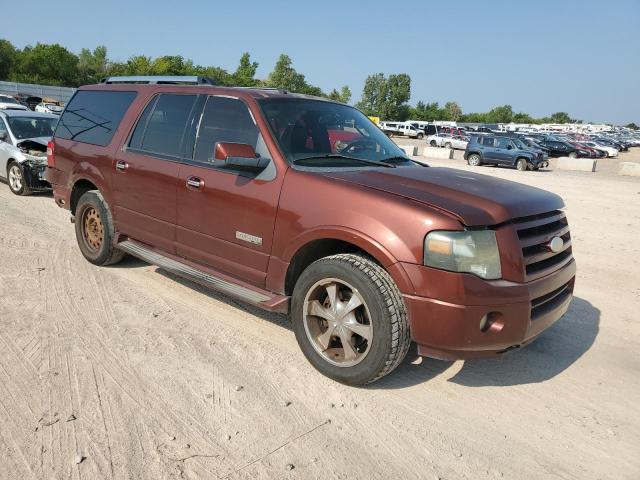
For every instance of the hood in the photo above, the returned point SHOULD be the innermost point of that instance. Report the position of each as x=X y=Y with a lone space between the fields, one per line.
x=40 y=140
x=475 y=199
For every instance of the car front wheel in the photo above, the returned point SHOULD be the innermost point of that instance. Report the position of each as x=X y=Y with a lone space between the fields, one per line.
x=433 y=143
x=17 y=179
x=474 y=160
x=349 y=319
x=521 y=164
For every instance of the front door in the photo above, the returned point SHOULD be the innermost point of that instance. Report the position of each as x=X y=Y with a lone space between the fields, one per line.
x=226 y=217
x=146 y=171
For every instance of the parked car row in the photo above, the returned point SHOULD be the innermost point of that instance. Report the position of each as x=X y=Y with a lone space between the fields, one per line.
x=45 y=105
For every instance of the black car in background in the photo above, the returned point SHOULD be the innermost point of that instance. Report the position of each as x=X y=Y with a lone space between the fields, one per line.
x=556 y=148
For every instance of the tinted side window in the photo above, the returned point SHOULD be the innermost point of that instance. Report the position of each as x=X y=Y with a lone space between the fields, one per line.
x=161 y=128
x=503 y=143
x=94 y=116
x=488 y=141
x=225 y=120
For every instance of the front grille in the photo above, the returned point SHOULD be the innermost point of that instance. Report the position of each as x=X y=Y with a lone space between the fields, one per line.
x=535 y=233
x=550 y=301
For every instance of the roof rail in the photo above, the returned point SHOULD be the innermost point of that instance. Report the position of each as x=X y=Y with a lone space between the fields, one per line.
x=161 y=79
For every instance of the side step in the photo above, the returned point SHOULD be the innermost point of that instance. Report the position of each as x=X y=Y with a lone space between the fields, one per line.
x=254 y=296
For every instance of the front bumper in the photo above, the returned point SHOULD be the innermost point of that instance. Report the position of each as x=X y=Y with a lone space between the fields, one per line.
x=34 y=176
x=446 y=323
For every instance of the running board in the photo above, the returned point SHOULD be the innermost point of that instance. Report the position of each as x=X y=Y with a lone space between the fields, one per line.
x=260 y=298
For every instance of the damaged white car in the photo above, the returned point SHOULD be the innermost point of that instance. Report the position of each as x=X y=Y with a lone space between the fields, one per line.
x=23 y=149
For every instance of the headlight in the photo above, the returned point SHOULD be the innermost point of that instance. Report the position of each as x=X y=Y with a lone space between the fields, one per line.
x=468 y=251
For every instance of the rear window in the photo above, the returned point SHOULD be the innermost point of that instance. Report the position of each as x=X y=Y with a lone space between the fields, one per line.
x=94 y=116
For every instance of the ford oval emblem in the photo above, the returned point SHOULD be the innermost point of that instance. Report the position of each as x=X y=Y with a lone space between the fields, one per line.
x=555 y=244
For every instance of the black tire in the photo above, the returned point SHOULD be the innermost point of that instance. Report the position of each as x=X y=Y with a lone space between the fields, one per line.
x=388 y=317
x=447 y=145
x=15 y=168
x=522 y=164
x=573 y=155
x=433 y=143
x=474 y=160
x=102 y=252
x=420 y=136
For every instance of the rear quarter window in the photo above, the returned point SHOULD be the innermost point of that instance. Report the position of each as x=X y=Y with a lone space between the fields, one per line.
x=93 y=116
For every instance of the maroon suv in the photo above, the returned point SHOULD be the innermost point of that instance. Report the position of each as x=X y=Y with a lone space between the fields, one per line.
x=302 y=205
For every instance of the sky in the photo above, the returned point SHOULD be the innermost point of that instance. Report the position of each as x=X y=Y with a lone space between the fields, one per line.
x=581 y=57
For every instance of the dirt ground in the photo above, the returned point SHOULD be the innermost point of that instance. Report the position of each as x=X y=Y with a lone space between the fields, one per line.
x=127 y=372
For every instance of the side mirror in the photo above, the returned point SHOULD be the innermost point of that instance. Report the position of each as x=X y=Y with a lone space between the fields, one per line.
x=510 y=147
x=240 y=155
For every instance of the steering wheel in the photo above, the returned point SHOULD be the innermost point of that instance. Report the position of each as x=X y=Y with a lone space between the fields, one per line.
x=360 y=145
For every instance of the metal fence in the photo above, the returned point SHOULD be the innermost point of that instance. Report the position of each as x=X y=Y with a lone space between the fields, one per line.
x=61 y=94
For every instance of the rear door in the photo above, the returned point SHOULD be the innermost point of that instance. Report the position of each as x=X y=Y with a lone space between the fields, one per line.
x=146 y=171
x=488 y=150
x=226 y=217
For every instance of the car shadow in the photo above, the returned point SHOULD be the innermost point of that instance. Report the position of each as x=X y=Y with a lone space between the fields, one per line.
x=552 y=353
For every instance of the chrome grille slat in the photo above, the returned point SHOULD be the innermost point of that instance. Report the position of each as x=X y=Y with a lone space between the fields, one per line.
x=534 y=234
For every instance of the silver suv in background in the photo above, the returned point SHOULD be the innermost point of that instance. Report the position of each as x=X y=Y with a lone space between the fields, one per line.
x=23 y=149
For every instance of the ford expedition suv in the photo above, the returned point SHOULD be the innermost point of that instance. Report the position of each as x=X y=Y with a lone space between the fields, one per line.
x=303 y=206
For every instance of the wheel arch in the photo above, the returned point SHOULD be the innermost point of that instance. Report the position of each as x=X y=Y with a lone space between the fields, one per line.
x=80 y=187
x=321 y=243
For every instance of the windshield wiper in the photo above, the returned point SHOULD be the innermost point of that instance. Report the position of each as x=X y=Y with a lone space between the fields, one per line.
x=400 y=157
x=345 y=157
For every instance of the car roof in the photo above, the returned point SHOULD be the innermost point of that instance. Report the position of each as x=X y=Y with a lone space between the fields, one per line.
x=256 y=93
x=26 y=113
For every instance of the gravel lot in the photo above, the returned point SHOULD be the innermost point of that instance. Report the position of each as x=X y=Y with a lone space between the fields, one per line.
x=128 y=372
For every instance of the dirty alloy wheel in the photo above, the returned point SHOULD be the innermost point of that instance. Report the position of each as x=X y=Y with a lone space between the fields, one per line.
x=573 y=155
x=433 y=143
x=17 y=179
x=420 y=136
x=95 y=230
x=521 y=164
x=447 y=145
x=473 y=160
x=349 y=319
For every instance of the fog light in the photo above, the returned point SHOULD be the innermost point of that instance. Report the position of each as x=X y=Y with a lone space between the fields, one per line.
x=491 y=322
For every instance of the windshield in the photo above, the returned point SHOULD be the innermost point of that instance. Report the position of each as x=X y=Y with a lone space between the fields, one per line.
x=520 y=144
x=32 y=127
x=324 y=134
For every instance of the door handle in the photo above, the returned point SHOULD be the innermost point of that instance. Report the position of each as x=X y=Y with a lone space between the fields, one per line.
x=195 y=182
x=121 y=165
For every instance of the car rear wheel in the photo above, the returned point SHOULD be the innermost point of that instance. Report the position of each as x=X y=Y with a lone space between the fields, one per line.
x=433 y=143
x=420 y=136
x=474 y=160
x=95 y=230
x=447 y=145
x=573 y=155
x=521 y=164
x=17 y=179
x=349 y=319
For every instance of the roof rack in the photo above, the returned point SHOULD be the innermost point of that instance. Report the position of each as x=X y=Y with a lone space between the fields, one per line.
x=161 y=79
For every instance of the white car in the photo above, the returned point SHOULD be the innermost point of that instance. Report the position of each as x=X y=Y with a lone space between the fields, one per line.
x=611 y=152
x=46 y=107
x=10 y=103
x=439 y=139
x=23 y=149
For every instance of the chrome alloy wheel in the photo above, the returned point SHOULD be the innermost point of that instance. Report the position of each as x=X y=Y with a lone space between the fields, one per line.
x=15 y=178
x=337 y=322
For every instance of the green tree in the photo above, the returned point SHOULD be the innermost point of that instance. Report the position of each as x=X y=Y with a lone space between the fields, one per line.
x=244 y=76
x=632 y=126
x=386 y=97
x=92 y=66
x=286 y=77
x=452 y=111
x=427 y=112
x=521 y=117
x=344 y=95
x=502 y=114
x=561 y=117
x=49 y=65
x=8 y=59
